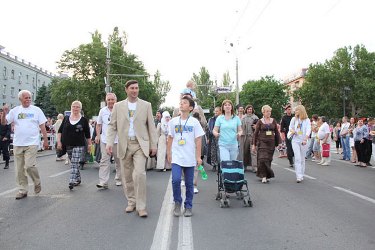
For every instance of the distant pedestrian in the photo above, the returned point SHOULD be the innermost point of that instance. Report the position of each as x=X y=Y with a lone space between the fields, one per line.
x=266 y=139
x=285 y=122
x=162 y=131
x=324 y=136
x=74 y=133
x=5 y=131
x=299 y=132
x=104 y=119
x=28 y=120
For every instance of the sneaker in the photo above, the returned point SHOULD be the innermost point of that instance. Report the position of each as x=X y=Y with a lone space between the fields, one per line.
x=66 y=162
x=103 y=186
x=59 y=159
x=20 y=196
x=37 y=188
x=196 y=190
x=182 y=183
x=320 y=163
x=177 y=209
x=325 y=164
x=188 y=212
x=118 y=183
x=299 y=180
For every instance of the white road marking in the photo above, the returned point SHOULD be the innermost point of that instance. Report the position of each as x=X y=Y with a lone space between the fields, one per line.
x=10 y=191
x=163 y=231
x=307 y=176
x=61 y=173
x=356 y=194
x=185 y=229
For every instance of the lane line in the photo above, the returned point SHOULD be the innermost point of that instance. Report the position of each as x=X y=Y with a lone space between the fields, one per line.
x=356 y=194
x=163 y=231
x=11 y=191
x=185 y=229
x=307 y=176
x=61 y=173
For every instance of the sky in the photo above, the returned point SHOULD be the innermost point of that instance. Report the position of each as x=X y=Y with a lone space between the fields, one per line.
x=269 y=37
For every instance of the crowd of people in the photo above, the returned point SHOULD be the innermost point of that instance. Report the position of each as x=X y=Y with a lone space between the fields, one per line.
x=127 y=134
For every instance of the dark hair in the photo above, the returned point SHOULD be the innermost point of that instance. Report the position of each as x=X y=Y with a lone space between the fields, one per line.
x=249 y=106
x=130 y=82
x=314 y=117
x=323 y=118
x=191 y=102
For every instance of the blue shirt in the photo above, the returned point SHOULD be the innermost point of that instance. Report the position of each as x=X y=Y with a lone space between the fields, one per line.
x=228 y=129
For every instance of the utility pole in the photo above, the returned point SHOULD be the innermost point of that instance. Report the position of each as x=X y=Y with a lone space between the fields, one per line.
x=108 y=88
x=237 y=87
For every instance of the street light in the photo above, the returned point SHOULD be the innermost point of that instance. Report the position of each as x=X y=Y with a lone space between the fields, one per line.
x=237 y=84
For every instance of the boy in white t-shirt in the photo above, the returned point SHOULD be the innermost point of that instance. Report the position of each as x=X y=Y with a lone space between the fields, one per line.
x=184 y=152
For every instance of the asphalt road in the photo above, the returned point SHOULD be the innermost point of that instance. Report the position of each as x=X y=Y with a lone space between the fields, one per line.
x=333 y=208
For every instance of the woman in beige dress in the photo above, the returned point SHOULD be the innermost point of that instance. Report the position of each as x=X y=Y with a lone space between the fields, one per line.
x=162 y=132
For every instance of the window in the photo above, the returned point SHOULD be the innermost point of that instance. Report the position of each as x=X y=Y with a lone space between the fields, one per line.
x=33 y=96
x=12 y=74
x=12 y=92
x=4 y=90
x=20 y=78
x=5 y=73
x=27 y=79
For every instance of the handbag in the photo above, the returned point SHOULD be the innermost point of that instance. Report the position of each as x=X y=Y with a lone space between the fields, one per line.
x=325 y=149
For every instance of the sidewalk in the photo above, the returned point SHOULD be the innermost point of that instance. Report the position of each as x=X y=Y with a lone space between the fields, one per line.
x=40 y=154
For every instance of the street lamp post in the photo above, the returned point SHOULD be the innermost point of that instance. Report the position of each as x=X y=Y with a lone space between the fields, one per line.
x=237 y=81
x=108 y=88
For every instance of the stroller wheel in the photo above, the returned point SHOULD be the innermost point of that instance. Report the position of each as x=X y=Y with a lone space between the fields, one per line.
x=224 y=203
x=247 y=202
x=239 y=195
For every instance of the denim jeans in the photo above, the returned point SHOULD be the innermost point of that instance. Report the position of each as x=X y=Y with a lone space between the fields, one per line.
x=228 y=152
x=176 y=184
x=345 y=143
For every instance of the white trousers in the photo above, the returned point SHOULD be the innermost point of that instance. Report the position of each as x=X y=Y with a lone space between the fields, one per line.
x=105 y=164
x=299 y=158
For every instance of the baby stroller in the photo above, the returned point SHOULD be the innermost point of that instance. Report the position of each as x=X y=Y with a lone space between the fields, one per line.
x=231 y=179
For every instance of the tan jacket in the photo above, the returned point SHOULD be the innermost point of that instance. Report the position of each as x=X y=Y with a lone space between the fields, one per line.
x=143 y=125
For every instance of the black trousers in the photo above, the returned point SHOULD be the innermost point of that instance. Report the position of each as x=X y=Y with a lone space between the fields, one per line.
x=4 y=149
x=289 y=151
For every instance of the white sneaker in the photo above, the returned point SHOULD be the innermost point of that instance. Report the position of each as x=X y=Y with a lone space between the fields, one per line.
x=325 y=164
x=196 y=190
x=118 y=183
x=320 y=163
x=66 y=162
x=182 y=183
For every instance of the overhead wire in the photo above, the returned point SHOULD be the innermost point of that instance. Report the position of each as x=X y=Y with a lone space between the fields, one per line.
x=258 y=17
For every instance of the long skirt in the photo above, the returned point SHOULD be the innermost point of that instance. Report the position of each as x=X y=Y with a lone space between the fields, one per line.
x=264 y=163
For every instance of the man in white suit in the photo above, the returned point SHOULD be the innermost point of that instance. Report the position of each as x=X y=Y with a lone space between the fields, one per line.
x=133 y=122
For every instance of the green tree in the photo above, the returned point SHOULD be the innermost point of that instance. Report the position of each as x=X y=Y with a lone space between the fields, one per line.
x=87 y=66
x=348 y=77
x=43 y=101
x=266 y=91
x=162 y=87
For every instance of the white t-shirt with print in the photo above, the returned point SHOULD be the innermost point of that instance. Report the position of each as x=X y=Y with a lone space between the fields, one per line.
x=132 y=107
x=184 y=155
x=104 y=118
x=26 y=124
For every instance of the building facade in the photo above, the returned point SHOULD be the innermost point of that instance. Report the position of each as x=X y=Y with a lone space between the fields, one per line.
x=294 y=82
x=17 y=74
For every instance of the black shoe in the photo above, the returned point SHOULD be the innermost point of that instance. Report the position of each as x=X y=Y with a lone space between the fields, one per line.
x=213 y=168
x=369 y=164
x=291 y=166
x=6 y=166
x=71 y=185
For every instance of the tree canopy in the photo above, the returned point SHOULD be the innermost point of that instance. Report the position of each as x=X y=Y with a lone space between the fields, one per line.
x=345 y=82
x=87 y=66
x=266 y=91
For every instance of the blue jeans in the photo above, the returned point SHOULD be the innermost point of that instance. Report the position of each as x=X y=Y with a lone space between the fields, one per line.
x=176 y=184
x=228 y=152
x=345 y=143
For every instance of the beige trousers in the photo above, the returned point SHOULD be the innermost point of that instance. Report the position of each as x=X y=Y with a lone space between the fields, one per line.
x=105 y=164
x=25 y=159
x=133 y=174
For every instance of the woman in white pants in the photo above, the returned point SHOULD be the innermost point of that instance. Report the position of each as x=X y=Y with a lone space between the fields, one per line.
x=299 y=132
x=324 y=136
